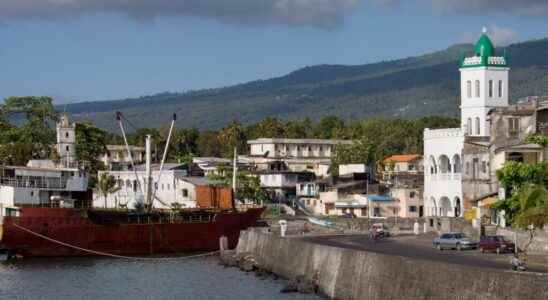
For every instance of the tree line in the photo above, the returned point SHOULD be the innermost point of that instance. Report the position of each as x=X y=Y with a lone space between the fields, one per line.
x=28 y=132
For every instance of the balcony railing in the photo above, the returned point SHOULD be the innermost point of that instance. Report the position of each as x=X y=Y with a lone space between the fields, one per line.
x=38 y=182
x=443 y=176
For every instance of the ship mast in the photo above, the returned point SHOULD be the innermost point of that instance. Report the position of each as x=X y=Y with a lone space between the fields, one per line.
x=148 y=173
x=234 y=171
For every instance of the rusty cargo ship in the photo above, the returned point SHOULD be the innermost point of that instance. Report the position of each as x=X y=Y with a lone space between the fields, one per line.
x=72 y=232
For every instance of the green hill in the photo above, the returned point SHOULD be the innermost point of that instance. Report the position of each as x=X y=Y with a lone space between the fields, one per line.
x=408 y=88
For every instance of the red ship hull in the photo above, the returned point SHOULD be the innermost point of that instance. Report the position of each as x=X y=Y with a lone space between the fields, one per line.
x=70 y=227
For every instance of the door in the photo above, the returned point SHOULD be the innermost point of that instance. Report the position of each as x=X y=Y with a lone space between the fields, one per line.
x=421 y=211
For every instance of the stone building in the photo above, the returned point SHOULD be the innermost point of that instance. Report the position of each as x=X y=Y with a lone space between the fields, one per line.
x=483 y=156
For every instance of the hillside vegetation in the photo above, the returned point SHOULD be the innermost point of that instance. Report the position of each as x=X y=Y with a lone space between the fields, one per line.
x=404 y=88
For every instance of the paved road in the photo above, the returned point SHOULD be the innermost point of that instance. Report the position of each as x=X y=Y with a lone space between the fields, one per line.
x=420 y=247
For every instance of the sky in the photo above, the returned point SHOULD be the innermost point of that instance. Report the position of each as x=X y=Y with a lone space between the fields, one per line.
x=86 y=50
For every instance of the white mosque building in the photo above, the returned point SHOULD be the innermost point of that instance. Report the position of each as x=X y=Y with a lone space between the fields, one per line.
x=484 y=86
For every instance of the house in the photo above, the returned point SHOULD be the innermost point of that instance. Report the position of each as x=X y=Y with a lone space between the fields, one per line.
x=482 y=157
x=116 y=157
x=298 y=155
x=42 y=183
x=403 y=176
x=320 y=197
x=282 y=185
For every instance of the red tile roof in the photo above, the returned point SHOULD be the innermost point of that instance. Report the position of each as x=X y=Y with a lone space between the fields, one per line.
x=403 y=158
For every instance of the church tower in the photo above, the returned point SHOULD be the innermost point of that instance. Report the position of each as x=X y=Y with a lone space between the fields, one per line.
x=484 y=85
x=66 y=141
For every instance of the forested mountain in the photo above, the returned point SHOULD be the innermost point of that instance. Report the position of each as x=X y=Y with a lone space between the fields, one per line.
x=408 y=88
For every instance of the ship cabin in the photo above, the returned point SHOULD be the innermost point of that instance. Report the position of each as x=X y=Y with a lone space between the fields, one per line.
x=41 y=183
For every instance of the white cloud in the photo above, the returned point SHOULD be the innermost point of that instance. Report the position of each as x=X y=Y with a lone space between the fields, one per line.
x=523 y=7
x=500 y=36
x=318 y=13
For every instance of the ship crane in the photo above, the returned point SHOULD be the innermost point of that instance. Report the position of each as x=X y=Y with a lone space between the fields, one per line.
x=149 y=191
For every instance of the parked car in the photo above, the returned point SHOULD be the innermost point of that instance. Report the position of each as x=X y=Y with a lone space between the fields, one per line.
x=454 y=241
x=495 y=243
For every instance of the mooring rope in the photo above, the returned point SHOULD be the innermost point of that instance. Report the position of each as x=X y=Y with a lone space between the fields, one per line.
x=110 y=254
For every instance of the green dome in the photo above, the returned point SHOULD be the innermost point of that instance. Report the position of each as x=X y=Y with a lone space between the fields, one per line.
x=484 y=47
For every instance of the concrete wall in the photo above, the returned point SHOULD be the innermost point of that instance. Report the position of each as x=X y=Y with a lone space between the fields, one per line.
x=351 y=274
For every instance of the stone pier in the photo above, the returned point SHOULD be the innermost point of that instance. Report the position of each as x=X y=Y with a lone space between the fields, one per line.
x=356 y=274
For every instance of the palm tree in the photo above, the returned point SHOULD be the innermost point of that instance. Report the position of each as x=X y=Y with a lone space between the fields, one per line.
x=107 y=185
x=533 y=206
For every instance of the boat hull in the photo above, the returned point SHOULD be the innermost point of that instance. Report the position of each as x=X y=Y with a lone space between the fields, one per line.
x=24 y=235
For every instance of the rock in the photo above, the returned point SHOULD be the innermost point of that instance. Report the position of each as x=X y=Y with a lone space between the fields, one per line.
x=291 y=287
x=247 y=265
x=229 y=258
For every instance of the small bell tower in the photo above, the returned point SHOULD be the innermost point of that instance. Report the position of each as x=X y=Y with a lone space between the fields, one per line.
x=66 y=141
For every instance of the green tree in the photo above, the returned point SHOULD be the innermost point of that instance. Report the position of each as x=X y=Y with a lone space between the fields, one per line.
x=90 y=145
x=233 y=135
x=359 y=152
x=248 y=186
x=32 y=134
x=106 y=186
x=208 y=144
x=523 y=181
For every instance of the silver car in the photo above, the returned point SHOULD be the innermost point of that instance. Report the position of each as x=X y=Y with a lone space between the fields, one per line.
x=454 y=241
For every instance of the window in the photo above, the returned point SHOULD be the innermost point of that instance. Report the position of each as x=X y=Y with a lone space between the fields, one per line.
x=412 y=194
x=484 y=167
x=469 y=89
x=162 y=186
x=513 y=126
x=377 y=212
x=185 y=193
x=67 y=148
x=469 y=126
x=32 y=194
x=66 y=134
x=490 y=88
x=477 y=88
x=168 y=186
x=500 y=88
x=156 y=185
x=412 y=209
x=466 y=170
x=477 y=126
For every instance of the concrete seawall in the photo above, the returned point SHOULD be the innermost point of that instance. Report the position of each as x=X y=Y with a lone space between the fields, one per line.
x=352 y=274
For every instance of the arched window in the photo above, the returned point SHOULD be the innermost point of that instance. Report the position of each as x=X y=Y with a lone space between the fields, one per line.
x=491 y=88
x=500 y=88
x=469 y=126
x=477 y=126
x=477 y=88
x=469 y=89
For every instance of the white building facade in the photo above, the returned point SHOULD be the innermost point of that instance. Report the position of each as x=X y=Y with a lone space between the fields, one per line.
x=484 y=86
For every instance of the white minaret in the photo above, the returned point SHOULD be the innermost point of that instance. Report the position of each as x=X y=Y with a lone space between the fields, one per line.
x=66 y=141
x=484 y=85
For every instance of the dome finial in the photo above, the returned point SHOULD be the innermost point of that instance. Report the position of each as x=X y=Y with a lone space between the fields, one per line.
x=484 y=29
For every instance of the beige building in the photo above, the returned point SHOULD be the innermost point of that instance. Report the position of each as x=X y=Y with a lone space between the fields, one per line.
x=298 y=155
x=117 y=158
